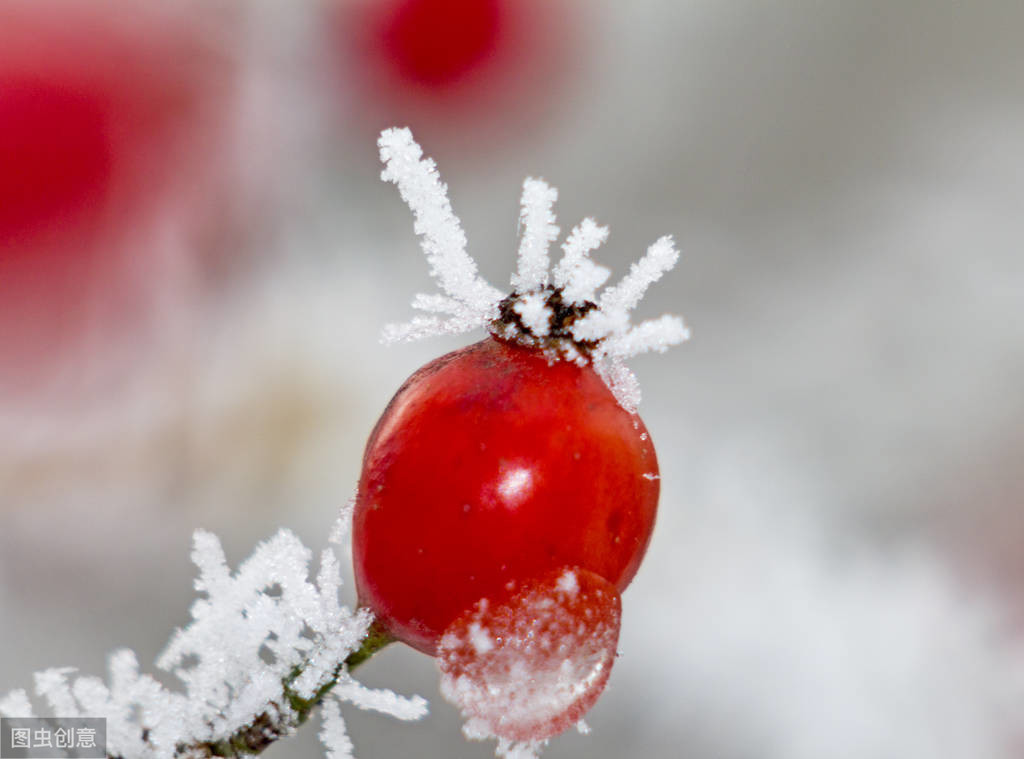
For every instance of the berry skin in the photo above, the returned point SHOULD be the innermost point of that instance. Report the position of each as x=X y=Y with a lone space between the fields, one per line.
x=494 y=465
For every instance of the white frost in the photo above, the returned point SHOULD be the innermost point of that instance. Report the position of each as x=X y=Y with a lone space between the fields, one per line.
x=576 y=273
x=468 y=302
x=16 y=704
x=52 y=684
x=535 y=313
x=380 y=700
x=624 y=297
x=527 y=669
x=511 y=750
x=568 y=583
x=472 y=300
x=256 y=631
x=333 y=734
x=539 y=231
x=343 y=522
x=480 y=638
x=652 y=335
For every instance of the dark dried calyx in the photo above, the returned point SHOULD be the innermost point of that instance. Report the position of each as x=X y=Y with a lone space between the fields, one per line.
x=510 y=324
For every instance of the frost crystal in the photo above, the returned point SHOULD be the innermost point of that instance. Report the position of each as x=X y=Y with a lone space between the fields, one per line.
x=576 y=273
x=557 y=310
x=539 y=231
x=333 y=734
x=16 y=704
x=471 y=302
x=263 y=642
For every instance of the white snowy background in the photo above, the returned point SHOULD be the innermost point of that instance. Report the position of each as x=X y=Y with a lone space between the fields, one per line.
x=838 y=566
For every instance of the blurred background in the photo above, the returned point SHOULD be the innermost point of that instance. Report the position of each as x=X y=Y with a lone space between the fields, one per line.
x=197 y=255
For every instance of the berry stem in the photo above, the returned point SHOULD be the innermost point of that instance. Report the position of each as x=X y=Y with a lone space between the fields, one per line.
x=376 y=638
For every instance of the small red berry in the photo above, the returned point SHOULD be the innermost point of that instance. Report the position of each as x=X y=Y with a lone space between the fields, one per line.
x=493 y=464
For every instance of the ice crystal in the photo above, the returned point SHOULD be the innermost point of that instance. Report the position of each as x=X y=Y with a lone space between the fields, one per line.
x=598 y=331
x=539 y=231
x=470 y=301
x=576 y=273
x=263 y=641
x=333 y=734
x=16 y=704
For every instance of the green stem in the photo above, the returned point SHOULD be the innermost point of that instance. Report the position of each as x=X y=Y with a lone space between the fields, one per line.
x=376 y=638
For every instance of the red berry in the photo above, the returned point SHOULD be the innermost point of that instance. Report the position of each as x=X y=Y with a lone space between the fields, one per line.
x=512 y=475
x=530 y=668
x=494 y=465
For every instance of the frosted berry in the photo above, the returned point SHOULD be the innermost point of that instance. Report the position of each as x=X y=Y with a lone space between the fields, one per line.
x=492 y=464
x=509 y=490
x=529 y=668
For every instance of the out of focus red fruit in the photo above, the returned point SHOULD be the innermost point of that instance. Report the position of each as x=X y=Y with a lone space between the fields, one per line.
x=56 y=155
x=111 y=116
x=434 y=43
x=451 y=65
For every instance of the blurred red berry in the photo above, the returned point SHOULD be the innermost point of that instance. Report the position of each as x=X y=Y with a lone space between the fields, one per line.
x=433 y=43
x=449 y=66
x=110 y=121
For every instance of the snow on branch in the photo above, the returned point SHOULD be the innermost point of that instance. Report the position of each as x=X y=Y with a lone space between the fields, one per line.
x=265 y=646
x=556 y=310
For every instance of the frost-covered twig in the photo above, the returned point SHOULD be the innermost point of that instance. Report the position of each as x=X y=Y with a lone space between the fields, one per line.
x=557 y=310
x=265 y=647
x=268 y=727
